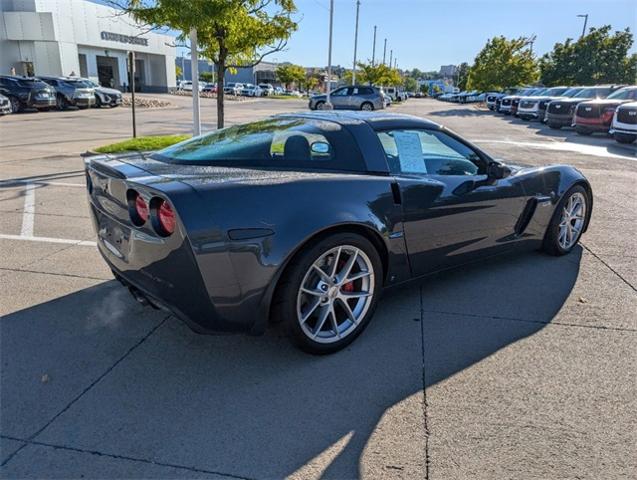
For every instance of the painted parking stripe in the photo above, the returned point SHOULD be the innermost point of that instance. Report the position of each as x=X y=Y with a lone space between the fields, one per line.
x=595 y=150
x=70 y=241
x=43 y=182
x=28 y=214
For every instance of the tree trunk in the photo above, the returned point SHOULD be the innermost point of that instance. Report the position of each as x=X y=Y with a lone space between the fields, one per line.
x=221 y=73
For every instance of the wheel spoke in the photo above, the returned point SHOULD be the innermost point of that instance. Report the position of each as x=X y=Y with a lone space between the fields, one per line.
x=357 y=276
x=348 y=311
x=309 y=313
x=324 y=276
x=347 y=268
x=315 y=293
x=321 y=321
x=337 y=257
x=334 y=322
x=348 y=295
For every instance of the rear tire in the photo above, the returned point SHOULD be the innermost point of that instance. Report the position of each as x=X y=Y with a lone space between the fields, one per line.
x=15 y=104
x=366 y=106
x=624 y=137
x=320 y=309
x=319 y=106
x=568 y=222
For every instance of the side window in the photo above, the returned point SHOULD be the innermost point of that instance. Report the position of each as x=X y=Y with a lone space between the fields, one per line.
x=428 y=152
x=341 y=92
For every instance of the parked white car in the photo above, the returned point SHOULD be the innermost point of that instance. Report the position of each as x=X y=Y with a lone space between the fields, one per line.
x=266 y=89
x=233 y=88
x=250 y=90
x=105 y=96
x=624 y=126
x=186 y=86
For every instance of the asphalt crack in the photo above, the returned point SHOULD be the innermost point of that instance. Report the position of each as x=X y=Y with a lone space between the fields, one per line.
x=609 y=267
x=89 y=387
x=424 y=385
x=124 y=457
x=23 y=270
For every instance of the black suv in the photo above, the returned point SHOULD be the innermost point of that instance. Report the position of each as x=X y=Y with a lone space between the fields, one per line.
x=27 y=92
x=71 y=92
x=561 y=113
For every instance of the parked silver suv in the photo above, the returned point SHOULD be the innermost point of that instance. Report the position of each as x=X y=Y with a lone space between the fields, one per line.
x=357 y=97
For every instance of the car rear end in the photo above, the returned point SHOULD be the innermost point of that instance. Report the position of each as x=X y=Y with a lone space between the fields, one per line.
x=143 y=238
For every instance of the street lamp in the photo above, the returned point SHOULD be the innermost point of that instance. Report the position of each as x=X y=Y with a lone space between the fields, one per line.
x=358 y=4
x=328 y=103
x=585 y=17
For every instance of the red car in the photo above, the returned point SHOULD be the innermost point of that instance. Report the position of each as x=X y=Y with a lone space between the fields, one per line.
x=597 y=115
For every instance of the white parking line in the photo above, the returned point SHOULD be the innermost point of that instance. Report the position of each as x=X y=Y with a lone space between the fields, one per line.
x=595 y=150
x=81 y=243
x=28 y=214
x=43 y=182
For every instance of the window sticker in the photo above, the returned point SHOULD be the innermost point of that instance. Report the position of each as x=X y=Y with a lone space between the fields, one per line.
x=410 y=152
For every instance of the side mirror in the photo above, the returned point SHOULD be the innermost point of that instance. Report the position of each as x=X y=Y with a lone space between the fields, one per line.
x=497 y=170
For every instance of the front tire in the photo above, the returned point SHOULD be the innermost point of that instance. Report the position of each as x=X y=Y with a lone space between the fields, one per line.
x=568 y=222
x=319 y=106
x=15 y=104
x=329 y=292
x=366 y=106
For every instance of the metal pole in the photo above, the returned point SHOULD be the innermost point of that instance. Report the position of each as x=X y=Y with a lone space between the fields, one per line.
x=585 y=17
x=328 y=103
x=194 y=72
x=358 y=5
x=132 y=90
x=391 y=56
x=374 y=48
x=384 y=51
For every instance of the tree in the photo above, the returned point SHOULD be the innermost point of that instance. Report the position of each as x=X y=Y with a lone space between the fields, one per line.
x=178 y=72
x=503 y=63
x=410 y=84
x=311 y=82
x=597 y=57
x=231 y=33
x=377 y=74
x=289 y=73
x=463 y=76
x=206 y=76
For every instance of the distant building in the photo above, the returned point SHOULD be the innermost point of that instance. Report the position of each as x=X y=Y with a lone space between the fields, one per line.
x=264 y=72
x=62 y=37
x=448 y=71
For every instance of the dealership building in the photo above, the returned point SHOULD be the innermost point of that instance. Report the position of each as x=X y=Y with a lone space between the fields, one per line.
x=82 y=38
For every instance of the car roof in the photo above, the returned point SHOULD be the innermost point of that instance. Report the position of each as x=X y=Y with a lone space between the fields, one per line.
x=376 y=120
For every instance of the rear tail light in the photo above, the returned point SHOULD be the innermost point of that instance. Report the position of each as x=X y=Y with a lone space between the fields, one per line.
x=137 y=208
x=141 y=207
x=165 y=215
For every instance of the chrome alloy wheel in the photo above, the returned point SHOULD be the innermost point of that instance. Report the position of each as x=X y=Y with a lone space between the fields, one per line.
x=335 y=294
x=572 y=220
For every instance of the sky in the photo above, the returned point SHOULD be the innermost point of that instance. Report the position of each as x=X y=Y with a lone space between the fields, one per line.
x=426 y=34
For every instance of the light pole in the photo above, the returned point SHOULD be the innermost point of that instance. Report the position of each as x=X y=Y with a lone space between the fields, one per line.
x=585 y=17
x=358 y=5
x=374 y=48
x=328 y=103
x=194 y=72
x=384 y=51
x=391 y=56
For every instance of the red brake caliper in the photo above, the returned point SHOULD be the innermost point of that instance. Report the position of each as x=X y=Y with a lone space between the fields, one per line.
x=348 y=287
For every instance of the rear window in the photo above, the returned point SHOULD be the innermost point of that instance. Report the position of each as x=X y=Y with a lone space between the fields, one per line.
x=278 y=143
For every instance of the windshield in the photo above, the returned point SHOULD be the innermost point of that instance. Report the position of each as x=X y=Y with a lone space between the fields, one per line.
x=555 y=91
x=32 y=82
x=274 y=143
x=624 y=93
x=601 y=92
x=571 y=92
x=78 y=83
x=540 y=92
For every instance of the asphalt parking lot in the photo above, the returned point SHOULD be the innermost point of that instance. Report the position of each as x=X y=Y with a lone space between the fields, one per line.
x=521 y=368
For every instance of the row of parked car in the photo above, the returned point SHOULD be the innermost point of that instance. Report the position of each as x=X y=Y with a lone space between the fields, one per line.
x=463 y=97
x=609 y=109
x=48 y=93
x=240 y=89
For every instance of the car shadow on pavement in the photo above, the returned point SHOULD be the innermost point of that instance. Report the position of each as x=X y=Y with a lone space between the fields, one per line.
x=460 y=112
x=256 y=406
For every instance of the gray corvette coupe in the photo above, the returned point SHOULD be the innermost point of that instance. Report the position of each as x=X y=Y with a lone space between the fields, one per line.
x=305 y=218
